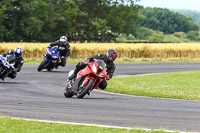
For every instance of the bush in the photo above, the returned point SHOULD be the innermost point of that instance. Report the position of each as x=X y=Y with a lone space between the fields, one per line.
x=130 y=37
x=125 y=38
x=193 y=35
x=156 y=37
x=171 y=38
x=121 y=38
x=179 y=34
x=143 y=33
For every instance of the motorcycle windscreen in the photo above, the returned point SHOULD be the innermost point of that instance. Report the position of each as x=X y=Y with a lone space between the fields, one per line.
x=10 y=59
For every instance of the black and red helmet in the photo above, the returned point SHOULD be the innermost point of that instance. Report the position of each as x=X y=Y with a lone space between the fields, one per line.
x=111 y=55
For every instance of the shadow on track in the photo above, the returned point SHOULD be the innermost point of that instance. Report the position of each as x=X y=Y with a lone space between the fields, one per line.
x=7 y=82
x=87 y=98
x=55 y=71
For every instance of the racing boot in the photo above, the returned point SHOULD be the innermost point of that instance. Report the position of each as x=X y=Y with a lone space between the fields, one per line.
x=63 y=61
x=79 y=66
x=12 y=75
x=74 y=74
x=56 y=66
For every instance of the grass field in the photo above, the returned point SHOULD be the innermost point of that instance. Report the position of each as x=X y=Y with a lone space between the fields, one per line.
x=125 y=51
x=177 y=85
x=8 y=125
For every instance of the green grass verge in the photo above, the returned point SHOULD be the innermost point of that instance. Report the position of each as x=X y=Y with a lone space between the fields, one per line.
x=178 y=85
x=8 y=125
x=159 y=61
x=156 y=60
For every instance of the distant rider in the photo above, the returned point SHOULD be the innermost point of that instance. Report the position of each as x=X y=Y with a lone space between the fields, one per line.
x=64 y=49
x=19 y=61
x=108 y=58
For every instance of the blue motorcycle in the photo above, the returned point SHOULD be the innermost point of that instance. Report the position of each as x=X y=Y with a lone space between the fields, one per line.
x=51 y=59
x=6 y=65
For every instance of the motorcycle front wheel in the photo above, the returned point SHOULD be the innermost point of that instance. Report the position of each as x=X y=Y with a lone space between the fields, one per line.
x=42 y=64
x=83 y=91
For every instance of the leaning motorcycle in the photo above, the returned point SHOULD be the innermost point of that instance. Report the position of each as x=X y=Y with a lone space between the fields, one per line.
x=87 y=79
x=51 y=59
x=6 y=66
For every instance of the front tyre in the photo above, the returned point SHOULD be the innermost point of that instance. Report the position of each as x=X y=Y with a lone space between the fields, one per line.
x=82 y=92
x=67 y=92
x=42 y=64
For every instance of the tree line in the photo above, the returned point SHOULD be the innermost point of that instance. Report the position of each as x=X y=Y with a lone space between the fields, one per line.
x=80 y=20
x=195 y=15
x=84 y=20
x=164 y=25
x=166 y=21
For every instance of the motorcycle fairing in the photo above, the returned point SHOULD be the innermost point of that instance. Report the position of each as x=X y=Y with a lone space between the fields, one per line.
x=52 y=56
x=83 y=72
x=7 y=64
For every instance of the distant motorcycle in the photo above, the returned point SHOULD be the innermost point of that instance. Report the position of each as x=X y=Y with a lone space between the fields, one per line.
x=6 y=65
x=87 y=79
x=51 y=59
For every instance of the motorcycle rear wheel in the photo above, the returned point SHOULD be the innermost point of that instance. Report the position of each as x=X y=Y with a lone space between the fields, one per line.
x=67 y=92
x=86 y=89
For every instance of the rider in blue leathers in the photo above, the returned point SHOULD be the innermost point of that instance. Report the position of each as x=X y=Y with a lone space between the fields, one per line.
x=18 y=59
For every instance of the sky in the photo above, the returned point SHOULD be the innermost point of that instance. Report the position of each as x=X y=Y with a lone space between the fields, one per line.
x=172 y=4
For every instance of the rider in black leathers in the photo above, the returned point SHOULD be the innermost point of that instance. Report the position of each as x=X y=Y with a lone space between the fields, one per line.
x=18 y=59
x=108 y=58
x=64 y=49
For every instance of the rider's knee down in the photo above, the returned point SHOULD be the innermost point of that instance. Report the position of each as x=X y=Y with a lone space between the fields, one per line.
x=103 y=85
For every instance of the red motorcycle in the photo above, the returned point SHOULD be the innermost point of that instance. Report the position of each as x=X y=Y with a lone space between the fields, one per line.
x=87 y=79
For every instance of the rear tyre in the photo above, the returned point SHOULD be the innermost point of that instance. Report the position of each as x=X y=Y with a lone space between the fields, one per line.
x=67 y=92
x=82 y=92
x=42 y=64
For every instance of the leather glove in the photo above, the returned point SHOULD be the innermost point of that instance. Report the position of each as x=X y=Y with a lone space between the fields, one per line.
x=108 y=77
x=87 y=61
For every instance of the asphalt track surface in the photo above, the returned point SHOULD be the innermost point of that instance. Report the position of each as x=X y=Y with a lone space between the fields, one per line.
x=39 y=95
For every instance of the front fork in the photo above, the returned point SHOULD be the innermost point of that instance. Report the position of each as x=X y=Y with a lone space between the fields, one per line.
x=48 y=61
x=4 y=72
x=95 y=85
x=87 y=79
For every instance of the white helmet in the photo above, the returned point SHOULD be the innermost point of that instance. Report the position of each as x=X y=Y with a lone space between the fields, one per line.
x=63 y=39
